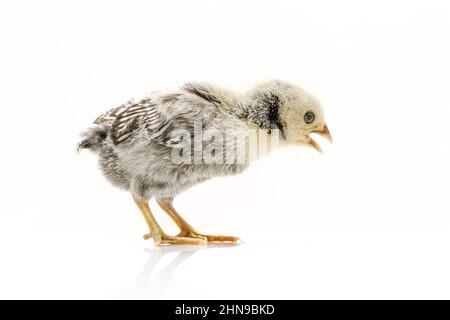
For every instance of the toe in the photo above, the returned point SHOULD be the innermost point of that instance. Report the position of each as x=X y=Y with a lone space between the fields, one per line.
x=169 y=240
x=147 y=236
x=188 y=234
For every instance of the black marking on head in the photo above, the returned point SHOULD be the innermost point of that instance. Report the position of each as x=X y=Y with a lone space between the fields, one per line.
x=272 y=103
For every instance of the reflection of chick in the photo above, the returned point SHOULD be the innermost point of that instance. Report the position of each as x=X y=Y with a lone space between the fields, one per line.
x=136 y=142
x=166 y=274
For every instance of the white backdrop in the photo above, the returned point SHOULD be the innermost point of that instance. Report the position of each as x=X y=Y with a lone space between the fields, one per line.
x=370 y=219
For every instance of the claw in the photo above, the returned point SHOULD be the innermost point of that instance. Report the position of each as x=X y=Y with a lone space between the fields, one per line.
x=223 y=239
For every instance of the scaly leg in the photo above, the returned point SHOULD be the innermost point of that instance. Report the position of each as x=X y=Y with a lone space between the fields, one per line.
x=158 y=235
x=186 y=229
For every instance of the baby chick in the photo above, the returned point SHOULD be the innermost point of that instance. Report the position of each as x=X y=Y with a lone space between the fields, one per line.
x=156 y=147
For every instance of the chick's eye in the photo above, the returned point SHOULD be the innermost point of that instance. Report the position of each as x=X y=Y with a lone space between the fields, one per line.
x=309 y=117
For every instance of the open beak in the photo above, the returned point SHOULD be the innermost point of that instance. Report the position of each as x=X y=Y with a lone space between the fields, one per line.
x=324 y=133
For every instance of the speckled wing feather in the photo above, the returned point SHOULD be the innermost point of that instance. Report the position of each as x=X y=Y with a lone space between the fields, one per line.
x=124 y=121
x=108 y=117
x=160 y=117
x=142 y=115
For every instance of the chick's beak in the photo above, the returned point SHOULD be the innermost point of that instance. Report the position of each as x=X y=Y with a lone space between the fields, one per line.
x=324 y=133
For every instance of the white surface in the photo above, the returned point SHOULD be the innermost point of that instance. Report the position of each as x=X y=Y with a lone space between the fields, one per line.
x=370 y=219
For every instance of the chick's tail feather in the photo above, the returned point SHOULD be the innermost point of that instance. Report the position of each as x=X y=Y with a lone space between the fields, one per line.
x=92 y=138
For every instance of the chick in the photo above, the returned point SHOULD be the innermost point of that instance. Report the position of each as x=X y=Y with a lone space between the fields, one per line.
x=156 y=147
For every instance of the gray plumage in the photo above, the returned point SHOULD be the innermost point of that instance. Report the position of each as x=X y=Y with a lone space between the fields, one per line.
x=134 y=141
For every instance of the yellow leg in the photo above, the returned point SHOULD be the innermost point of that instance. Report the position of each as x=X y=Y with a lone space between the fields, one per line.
x=158 y=234
x=186 y=229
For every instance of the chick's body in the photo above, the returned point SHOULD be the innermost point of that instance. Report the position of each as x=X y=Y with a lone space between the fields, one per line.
x=137 y=143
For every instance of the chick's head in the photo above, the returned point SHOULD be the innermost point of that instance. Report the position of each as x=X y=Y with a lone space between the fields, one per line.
x=299 y=113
